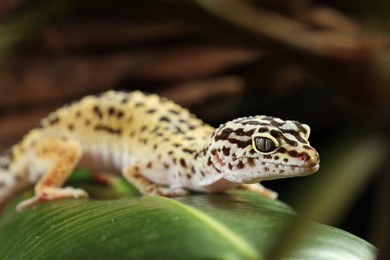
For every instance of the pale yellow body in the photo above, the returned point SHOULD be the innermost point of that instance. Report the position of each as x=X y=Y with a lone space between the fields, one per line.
x=158 y=146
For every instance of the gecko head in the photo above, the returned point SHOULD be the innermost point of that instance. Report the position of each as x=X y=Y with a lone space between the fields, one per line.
x=252 y=149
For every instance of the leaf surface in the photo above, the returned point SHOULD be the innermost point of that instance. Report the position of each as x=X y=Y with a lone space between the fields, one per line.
x=235 y=225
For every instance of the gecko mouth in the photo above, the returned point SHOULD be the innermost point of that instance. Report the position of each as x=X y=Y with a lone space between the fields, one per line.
x=280 y=170
x=296 y=170
x=305 y=165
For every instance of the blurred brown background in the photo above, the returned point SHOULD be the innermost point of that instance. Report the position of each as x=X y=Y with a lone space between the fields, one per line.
x=324 y=63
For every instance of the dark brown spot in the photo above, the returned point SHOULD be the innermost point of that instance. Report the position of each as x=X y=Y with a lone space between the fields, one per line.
x=209 y=162
x=188 y=151
x=275 y=133
x=70 y=127
x=281 y=171
x=189 y=176
x=78 y=114
x=240 y=165
x=164 y=118
x=139 y=104
x=87 y=122
x=170 y=152
x=275 y=123
x=296 y=135
x=143 y=128
x=108 y=129
x=178 y=130
x=276 y=157
x=281 y=150
x=306 y=147
x=151 y=111
x=224 y=134
x=155 y=129
x=97 y=112
x=251 y=162
x=176 y=145
x=293 y=153
x=290 y=142
x=300 y=127
x=285 y=160
x=266 y=169
x=173 y=111
x=239 y=143
x=241 y=132
x=149 y=165
x=267 y=156
x=183 y=163
x=166 y=166
x=120 y=114
x=124 y=100
x=230 y=166
x=54 y=120
x=214 y=151
x=226 y=150
x=263 y=129
x=174 y=160
x=191 y=127
x=202 y=173
x=252 y=151
x=111 y=111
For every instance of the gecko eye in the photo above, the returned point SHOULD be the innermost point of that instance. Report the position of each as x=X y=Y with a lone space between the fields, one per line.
x=264 y=144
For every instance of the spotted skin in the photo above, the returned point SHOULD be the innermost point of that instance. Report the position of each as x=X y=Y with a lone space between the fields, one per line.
x=156 y=145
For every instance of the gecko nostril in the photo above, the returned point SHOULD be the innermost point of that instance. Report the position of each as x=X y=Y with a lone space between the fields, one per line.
x=304 y=157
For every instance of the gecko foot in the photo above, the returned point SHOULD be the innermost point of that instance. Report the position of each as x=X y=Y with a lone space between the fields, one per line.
x=167 y=192
x=260 y=189
x=50 y=194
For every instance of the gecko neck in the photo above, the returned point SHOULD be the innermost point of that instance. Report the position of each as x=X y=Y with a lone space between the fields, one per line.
x=211 y=176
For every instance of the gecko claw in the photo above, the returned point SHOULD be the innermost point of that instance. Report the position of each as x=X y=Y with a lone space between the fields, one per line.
x=51 y=194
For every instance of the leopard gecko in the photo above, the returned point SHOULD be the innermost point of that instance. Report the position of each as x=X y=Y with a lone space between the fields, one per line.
x=158 y=146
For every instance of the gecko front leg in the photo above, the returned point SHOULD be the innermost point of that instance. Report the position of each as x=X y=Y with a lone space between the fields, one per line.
x=65 y=155
x=260 y=189
x=146 y=187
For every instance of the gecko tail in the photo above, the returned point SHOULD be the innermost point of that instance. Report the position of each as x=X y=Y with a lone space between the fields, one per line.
x=10 y=183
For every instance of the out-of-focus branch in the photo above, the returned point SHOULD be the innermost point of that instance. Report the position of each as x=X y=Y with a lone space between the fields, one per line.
x=326 y=42
x=277 y=29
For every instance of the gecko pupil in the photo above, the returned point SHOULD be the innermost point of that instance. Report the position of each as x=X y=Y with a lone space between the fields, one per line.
x=264 y=144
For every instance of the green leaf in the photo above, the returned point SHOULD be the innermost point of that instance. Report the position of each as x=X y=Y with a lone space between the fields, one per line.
x=235 y=225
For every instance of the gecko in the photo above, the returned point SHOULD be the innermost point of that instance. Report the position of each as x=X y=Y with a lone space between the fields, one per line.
x=158 y=146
